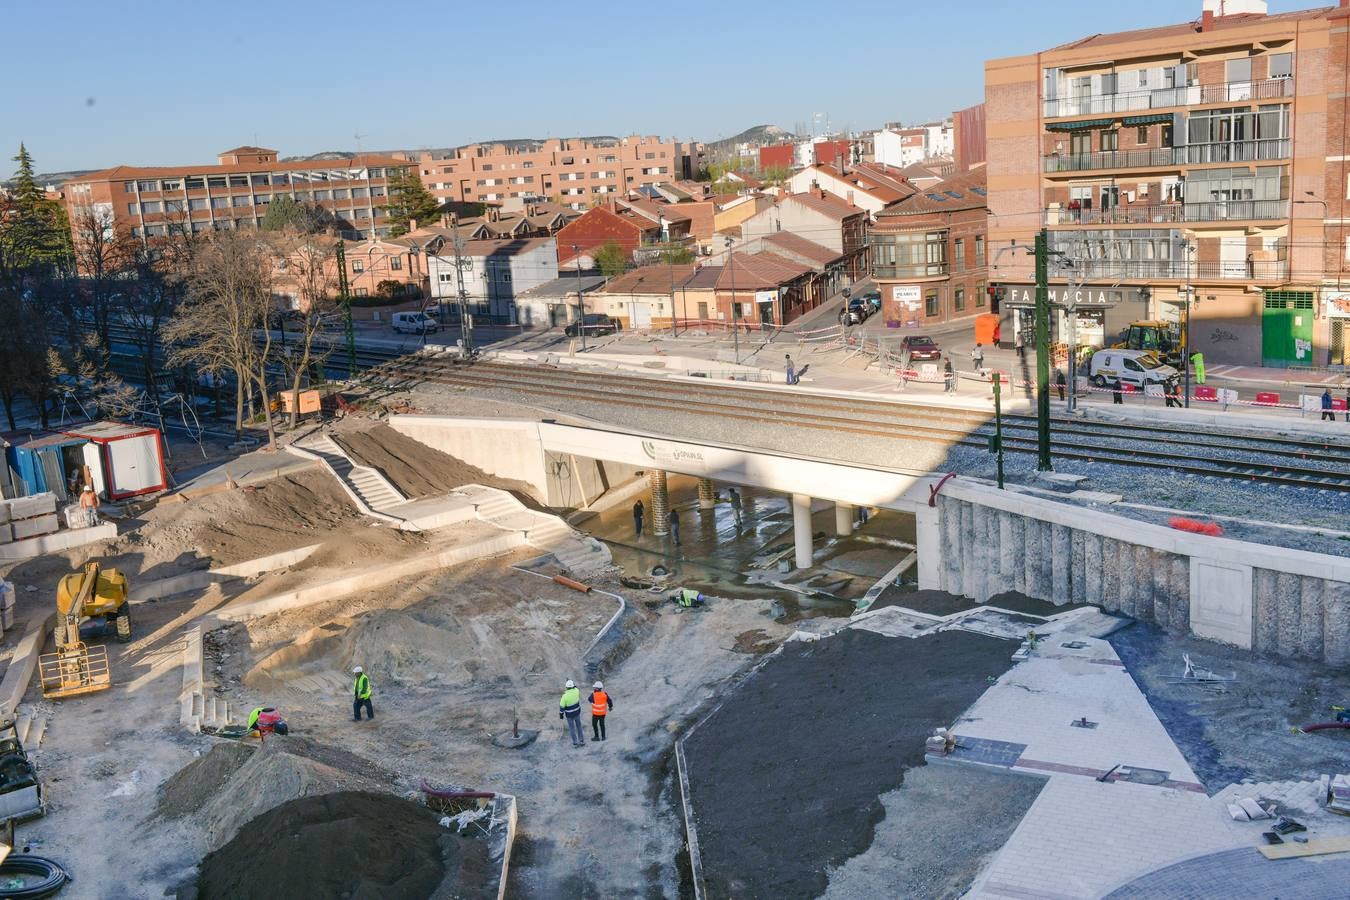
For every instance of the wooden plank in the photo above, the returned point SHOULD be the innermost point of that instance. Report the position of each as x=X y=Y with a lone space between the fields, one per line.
x=1290 y=849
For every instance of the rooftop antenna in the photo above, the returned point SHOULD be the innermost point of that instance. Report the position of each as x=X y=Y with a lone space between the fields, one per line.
x=358 y=135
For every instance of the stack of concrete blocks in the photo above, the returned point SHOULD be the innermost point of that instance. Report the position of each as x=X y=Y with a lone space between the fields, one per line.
x=26 y=517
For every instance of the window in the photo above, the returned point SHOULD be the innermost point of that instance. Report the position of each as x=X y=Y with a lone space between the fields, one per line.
x=1141 y=136
x=1109 y=139
x=132 y=209
x=1347 y=249
x=1166 y=135
x=260 y=181
x=262 y=199
x=1238 y=70
x=360 y=192
x=241 y=201
x=358 y=266
x=173 y=206
x=362 y=292
x=959 y=254
x=281 y=179
x=220 y=202
x=144 y=186
x=151 y=207
x=959 y=299
x=395 y=263
x=216 y=181
x=377 y=191
x=197 y=203
x=1109 y=83
x=175 y=184
x=323 y=195
x=341 y=194
x=930 y=302
x=129 y=187
x=487 y=167
x=195 y=184
x=979 y=250
x=980 y=293
x=1281 y=65
x=1143 y=78
x=445 y=277
x=238 y=181
x=377 y=173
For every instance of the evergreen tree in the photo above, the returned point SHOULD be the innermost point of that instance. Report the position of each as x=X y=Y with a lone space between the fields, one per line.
x=611 y=259
x=34 y=234
x=409 y=201
x=285 y=214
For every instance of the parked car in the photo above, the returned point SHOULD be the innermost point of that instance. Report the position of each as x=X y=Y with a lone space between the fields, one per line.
x=414 y=323
x=592 y=324
x=860 y=306
x=1136 y=367
x=848 y=316
x=873 y=298
x=920 y=348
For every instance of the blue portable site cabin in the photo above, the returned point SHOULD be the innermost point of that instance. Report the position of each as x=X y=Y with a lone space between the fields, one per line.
x=41 y=461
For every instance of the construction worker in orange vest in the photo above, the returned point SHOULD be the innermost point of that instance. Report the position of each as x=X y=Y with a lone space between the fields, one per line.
x=601 y=704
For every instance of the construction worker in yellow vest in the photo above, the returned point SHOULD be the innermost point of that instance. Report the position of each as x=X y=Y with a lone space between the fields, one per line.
x=361 y=695
x=689 y=598
x=569 y=708
x=253 y=718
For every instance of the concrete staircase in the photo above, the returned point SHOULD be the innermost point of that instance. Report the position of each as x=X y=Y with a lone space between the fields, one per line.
x=369 y=490
x=574 y=551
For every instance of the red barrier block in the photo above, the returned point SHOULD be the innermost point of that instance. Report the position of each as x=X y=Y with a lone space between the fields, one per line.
x=1337 y=404
x=1267 y=397
x=1127 y=388
x=1207 y=393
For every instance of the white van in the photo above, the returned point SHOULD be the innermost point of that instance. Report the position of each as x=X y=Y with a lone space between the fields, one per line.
x=414 y=323
x=1136 y=367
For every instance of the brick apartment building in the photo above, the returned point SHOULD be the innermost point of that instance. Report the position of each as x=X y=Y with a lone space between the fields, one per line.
x=929 y=254
x=1200 y=164
x=151 y=200
x=573 y=172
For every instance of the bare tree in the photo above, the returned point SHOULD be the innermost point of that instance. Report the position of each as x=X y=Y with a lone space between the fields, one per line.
x=216 y=327
x=308 y=261
x=106 y=256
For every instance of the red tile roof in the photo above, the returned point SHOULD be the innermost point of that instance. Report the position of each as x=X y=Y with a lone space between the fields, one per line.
x=748 y=271
x=1191 y=28
x=800 y=246
x=827 y=205
x=654 y=279
x=129 y=173
x=968 y=188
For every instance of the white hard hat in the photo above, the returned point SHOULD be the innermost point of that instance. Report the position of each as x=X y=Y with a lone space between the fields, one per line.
x=356 y=671
x=570 y=683
x=88 y=488
x=599 y=686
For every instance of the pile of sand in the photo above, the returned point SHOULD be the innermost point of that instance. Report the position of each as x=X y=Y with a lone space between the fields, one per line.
x=351 y=844
x=416 y=469
x=392 y=645
x=235 y=782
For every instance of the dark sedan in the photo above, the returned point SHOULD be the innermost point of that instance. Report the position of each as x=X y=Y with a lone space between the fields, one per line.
x=920 y=348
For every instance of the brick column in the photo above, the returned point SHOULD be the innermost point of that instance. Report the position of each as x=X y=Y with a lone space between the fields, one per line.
x=660 y=503
x=707 y=493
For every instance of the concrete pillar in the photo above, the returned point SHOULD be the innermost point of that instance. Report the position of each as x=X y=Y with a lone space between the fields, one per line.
x=1015 y=551
x=1143 y=576
x=1288 y=614
x=801 y=530
x=660 y=503
x=1336 y=624
x=1077 y=578
x=843 y=519
x=1181 y=593
x=968 y=560
x=1062 y=573
x=1111 y=575
x=1162 y=589
x=707 y=493
x=1092 y=569
x=1310 y=628
x=1265 y=602
x=930 y=547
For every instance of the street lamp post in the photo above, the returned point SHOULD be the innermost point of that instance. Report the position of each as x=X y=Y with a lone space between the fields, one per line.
x=735 y=306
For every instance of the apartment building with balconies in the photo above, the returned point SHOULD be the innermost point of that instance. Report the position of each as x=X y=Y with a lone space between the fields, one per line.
x=152 y=202
x=574 y=172
x=1183 y=167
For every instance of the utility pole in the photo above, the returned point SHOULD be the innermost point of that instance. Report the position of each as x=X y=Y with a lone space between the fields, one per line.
x=998 y=426
x=1042 y=254
x=465 y=325
x=345 y=298
x=735 y=305
x=581 y=303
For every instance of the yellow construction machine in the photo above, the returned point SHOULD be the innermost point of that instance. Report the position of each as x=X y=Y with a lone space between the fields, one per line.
x=75 y=667
x=1163 y=339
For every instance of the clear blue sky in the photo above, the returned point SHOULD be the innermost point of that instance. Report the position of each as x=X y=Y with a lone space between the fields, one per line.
x=159 y=82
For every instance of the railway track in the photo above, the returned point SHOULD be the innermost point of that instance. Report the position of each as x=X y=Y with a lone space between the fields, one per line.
x=1274 y=460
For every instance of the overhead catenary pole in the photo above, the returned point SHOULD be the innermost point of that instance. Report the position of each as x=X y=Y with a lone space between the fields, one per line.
x=465 y=325
x=345 y=298
x=1042 y=315
x=581 y=303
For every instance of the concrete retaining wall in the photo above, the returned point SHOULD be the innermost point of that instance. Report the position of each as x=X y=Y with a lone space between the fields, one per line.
x=1274 y=600
x=503 y=447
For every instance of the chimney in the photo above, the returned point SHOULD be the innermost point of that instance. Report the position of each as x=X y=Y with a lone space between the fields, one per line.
x=412 y=224
x=1207 y=20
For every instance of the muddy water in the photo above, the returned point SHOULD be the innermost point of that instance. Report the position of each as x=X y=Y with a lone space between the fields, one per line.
x=732 y=550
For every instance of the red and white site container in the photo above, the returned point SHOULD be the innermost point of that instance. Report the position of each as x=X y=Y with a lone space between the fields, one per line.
x=126 y=460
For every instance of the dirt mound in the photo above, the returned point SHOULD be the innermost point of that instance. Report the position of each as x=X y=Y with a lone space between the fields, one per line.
x=352 y=844
x=391 y=645
x=416 y=469
x=197 y=783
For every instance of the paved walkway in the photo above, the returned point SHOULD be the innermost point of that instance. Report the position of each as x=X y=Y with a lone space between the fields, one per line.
x=1243 y=872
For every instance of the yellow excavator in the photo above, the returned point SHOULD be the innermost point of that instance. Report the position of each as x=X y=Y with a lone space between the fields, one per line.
x=75 y=667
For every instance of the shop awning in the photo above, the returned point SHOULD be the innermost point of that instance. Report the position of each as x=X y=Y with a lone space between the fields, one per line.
x=1148 y=119
x=1078 y=126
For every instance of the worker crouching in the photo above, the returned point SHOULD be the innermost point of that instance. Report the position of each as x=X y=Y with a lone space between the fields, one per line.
x=601 y=704
x=569 y=708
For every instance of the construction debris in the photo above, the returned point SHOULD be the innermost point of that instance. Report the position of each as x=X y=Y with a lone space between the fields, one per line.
x=1193 y=674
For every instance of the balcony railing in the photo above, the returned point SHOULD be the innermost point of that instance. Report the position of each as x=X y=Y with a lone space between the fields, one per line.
x=1168 y=213
x=1162 y=98
x=1180 y=270
x=1166 y=157
x=923 y=270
